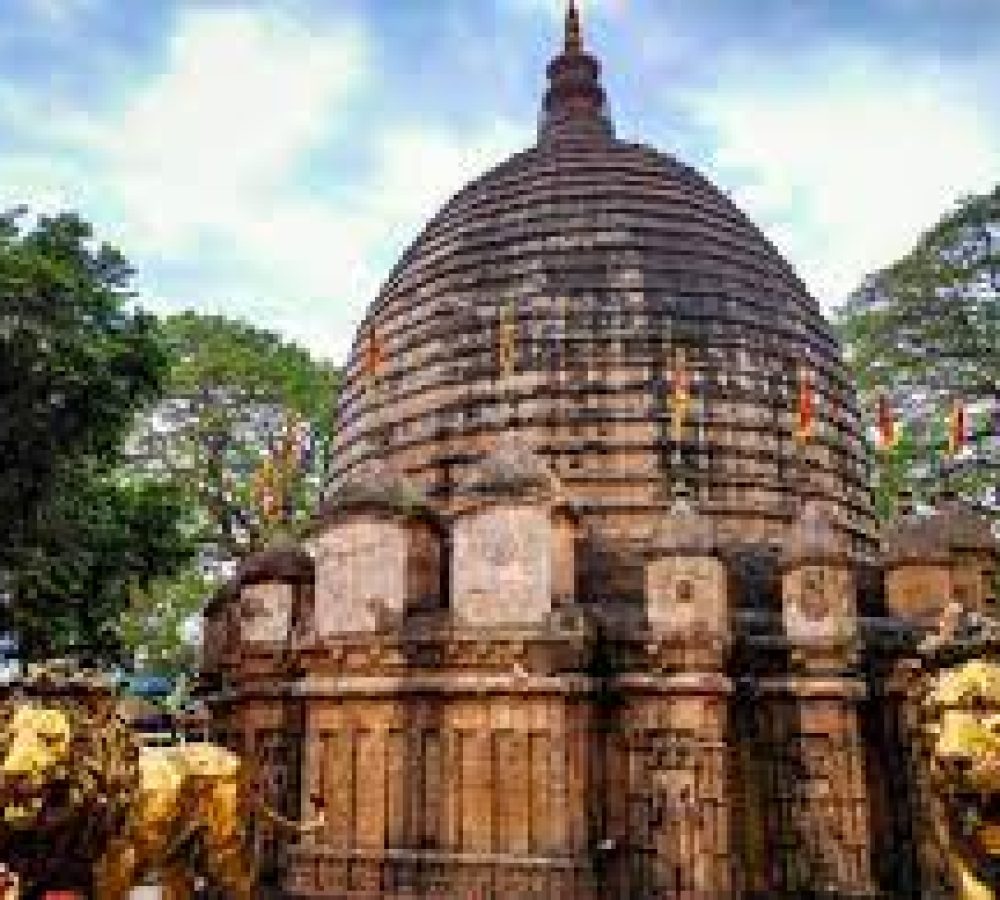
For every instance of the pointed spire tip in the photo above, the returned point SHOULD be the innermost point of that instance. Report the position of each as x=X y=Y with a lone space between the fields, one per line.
x=574 y=33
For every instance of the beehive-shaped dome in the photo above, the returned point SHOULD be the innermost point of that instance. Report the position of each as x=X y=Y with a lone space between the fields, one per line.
x=558 y=297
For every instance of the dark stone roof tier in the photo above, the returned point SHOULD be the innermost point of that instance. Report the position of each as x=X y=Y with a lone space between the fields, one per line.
x=283 y=561
x=931 y=538
x=684 y=530
x=376 y=485
x=815 y=539
x=512 y=469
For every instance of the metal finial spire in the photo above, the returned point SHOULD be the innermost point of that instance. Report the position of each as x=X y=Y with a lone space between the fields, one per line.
x=574 y=34
x=574 y=102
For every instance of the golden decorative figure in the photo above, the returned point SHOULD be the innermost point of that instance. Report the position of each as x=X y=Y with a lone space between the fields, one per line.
x=76 y=784
x=961 y=725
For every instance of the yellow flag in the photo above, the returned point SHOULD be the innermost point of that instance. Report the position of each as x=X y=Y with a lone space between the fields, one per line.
x=507 y=341
x=680 y=394
x=957 y=428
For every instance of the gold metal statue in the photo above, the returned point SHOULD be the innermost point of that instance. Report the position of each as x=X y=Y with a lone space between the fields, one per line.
x=78 y=790
x=961 y=725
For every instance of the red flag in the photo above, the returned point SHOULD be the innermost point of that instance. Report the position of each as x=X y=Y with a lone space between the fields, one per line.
x=806 y=406
x=373 y=358
x=888 y=432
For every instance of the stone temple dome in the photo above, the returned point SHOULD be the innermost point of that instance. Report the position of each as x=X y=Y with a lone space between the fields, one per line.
x=557 y=297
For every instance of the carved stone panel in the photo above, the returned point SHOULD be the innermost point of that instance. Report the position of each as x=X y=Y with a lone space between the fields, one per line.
x=919 y=593
x=818 y=602
x=361 y=576
x=265 y=612
x=684 y=593
x=502 y=566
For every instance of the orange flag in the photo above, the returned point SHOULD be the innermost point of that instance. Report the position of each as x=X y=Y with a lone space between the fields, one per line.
x=958 y=427
x=806 y=406
x=373 y=356
x=680 y=393
x=888 y=433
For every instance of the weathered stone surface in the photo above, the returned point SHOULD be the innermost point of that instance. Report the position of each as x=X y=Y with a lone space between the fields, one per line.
x=687 y=592
x=265 y=612
x=680 y=714
x=819 y=603
x=361 y=576
x=502 y=570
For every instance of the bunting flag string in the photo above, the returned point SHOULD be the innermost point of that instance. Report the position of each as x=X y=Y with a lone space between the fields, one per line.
x=267 y=490
x=287 y=455
x=373 y=357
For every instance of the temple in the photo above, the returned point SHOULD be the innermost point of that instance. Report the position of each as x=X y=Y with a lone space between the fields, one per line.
x=585 y=614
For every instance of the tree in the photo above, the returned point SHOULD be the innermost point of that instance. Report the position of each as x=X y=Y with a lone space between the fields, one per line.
x=157 y=626
x=245 y=428
x=925 y=333
x=76 y=363
x=244 y=431
x=98 y=542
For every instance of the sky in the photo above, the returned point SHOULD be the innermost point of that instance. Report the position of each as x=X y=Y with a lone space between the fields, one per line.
x=270 y=159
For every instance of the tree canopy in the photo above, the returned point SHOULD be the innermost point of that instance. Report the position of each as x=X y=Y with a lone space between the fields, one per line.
x=243 y=431
x=244 y=428
x=77 y=361
x=925 y=334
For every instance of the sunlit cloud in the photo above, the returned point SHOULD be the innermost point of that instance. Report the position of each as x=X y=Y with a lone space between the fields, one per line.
x=847 y=165
x=264 y=158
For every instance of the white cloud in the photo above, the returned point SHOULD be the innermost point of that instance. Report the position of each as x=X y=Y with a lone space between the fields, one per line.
x=331 y=260
x=202 y=171
x=845 y=166
x=217 y=137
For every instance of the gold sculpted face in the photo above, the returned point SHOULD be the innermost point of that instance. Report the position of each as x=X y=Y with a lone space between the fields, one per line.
x=964 y=707
x=962 y=727
x=36 y=747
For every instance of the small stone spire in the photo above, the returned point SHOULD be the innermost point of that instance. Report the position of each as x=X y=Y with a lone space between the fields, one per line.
x=575 y=104
x=574 y=33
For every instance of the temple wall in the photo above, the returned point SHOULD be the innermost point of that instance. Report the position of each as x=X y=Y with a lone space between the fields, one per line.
x=448 y=794
x=536 y=750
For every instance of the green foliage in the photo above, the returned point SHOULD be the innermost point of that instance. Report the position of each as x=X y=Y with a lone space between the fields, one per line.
x=156 y=625
x=246 y=439
x=76 y=364
x=924 y=332
x=76 y=361
x=212 y=353
x=233 y=378
x=85 y=550
x=83 y=540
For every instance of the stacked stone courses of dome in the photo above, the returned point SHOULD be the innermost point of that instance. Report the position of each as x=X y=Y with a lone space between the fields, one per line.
x=609 y=257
